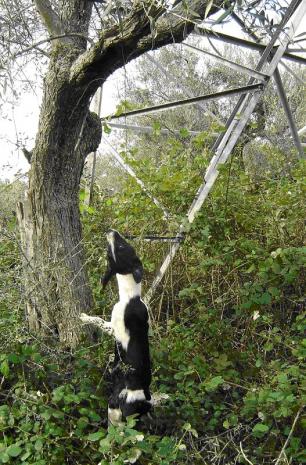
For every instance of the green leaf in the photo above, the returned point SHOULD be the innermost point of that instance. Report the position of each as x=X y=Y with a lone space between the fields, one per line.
x=134 y=455
x=46 y=414
x=38 y=444
x=4 y=457
x=226 y=424
x=95 y=436
x=82 y=195
x=166 y=447
x=214 y=383
x=265 y=298
x=14 y=450
x=105 y=445
x=156 y=128
x=107 y=129
x=14 y=358
x=4 y=368
x=25 y=456
x=184 y=132
x=224 y=15
x=260 y=429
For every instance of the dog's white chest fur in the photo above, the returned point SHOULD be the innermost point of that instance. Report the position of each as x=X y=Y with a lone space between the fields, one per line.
x=128 y=289
x=120 y=332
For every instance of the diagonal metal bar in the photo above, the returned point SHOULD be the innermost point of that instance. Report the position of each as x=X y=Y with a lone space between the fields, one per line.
x=244 y=43
x=282 y=93
x=235 y=127
x=132 y=173
x=254 y=37
x=287 y=109
x=189 y=101
x=290 y=71
x=229 y=63
x=302 y=131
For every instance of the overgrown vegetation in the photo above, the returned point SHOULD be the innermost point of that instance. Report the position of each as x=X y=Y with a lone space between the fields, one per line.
x=228 y=320
x=227 y=329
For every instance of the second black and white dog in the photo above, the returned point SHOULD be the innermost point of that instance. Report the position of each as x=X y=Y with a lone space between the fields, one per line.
x=131 y=372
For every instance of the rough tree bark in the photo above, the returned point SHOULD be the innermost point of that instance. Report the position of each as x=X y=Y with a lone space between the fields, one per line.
x=56 y=283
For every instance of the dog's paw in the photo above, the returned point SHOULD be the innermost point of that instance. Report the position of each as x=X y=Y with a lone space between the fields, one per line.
x=106 y=327
x=85 y=318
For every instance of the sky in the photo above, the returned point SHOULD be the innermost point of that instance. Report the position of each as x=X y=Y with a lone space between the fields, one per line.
x=19 y=121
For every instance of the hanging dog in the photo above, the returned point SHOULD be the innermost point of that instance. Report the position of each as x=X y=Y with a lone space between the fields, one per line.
x=131 y=372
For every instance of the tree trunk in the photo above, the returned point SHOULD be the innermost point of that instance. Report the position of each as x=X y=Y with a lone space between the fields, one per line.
x=56 y=283
x=55 y=280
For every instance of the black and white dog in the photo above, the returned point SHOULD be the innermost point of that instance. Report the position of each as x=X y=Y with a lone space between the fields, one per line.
x=131 y=373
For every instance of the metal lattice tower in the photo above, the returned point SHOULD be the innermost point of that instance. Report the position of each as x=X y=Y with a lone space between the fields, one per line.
x=267 y=67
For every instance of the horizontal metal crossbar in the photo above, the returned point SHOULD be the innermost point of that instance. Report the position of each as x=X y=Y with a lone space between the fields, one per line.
x=230 y=63
x=297 y=50
x=150 y=129
x=149 y=238
x=244 y=43
x=179 y=103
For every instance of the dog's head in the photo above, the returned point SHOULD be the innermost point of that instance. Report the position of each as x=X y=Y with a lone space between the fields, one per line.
x=121 y=258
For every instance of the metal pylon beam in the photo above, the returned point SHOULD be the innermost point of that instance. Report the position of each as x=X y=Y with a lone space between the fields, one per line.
x=288 y=112
x=188 y=101
x=244 y=43
x=282 y=93
x=236 y=124
x=150 y=129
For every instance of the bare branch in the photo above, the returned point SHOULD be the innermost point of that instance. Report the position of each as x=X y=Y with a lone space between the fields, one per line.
x=282 y=452
x=49 y=17
x=50 y=39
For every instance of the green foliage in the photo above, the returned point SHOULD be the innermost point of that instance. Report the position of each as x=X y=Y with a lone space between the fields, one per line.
x=228 y=326
x=51 y=421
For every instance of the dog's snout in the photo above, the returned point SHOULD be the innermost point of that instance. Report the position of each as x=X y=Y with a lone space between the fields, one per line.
x=110 y=234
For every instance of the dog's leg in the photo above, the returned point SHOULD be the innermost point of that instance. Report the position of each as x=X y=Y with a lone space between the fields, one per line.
x=105 y=326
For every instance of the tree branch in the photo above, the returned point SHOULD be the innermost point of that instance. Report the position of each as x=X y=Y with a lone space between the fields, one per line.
x=49 y=17
x=147 y=27
x=50 y=39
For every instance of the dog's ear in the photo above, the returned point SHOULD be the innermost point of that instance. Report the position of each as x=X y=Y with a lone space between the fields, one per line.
x=109 y=273
x=137 y=274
